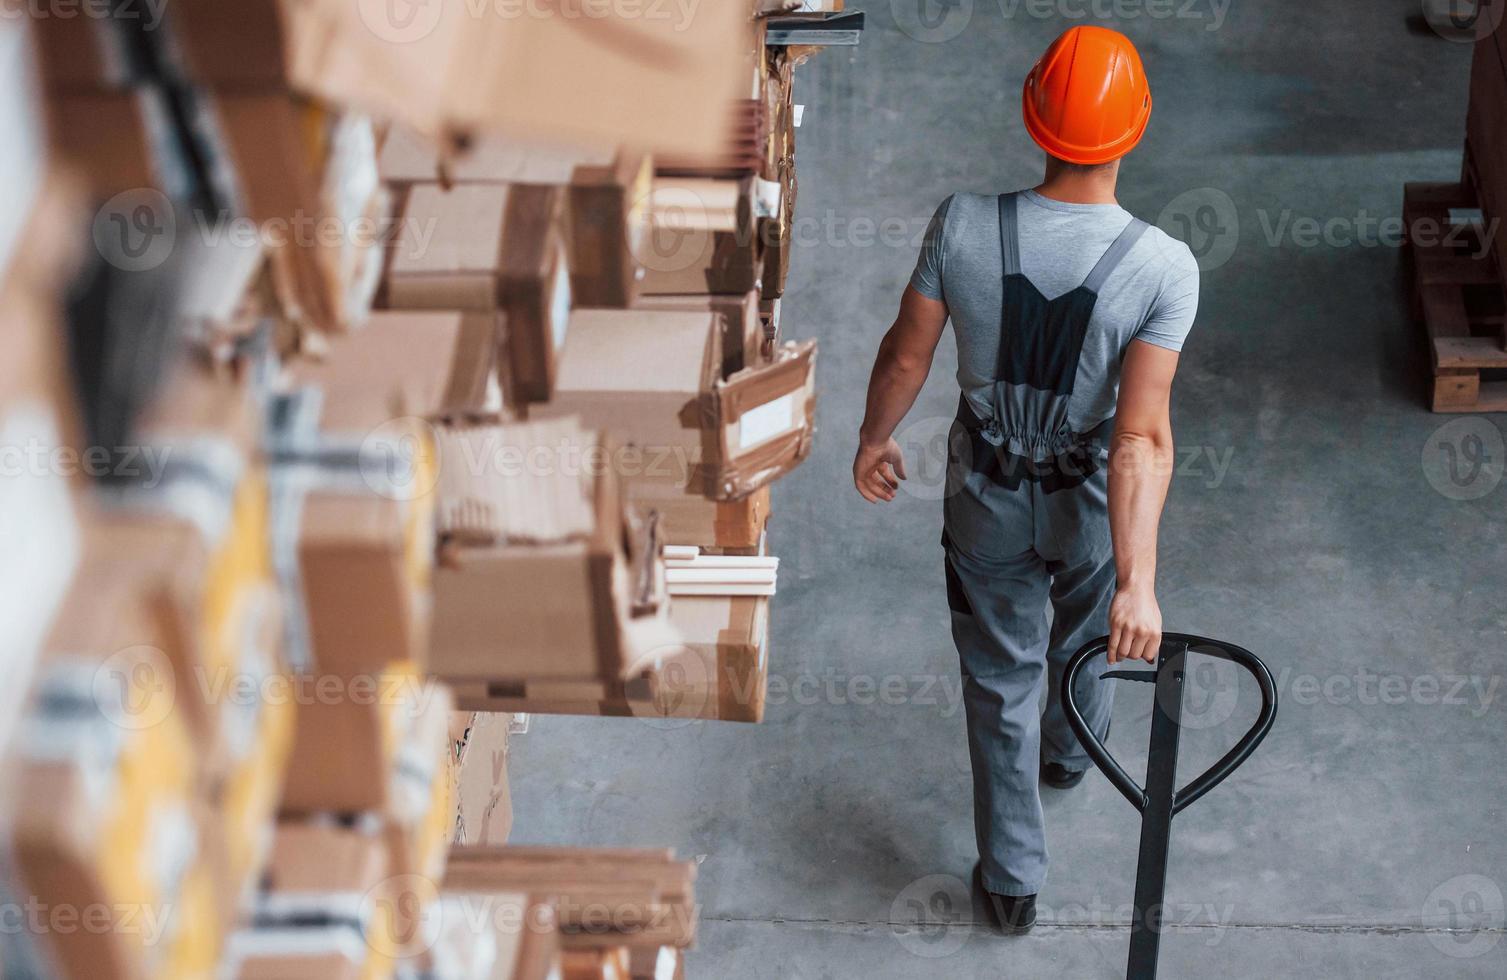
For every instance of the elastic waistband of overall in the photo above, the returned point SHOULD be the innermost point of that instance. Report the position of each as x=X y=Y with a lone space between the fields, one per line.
x=1097 y=437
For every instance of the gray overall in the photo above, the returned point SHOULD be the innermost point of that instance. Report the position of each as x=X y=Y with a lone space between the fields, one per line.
x=1026 y=525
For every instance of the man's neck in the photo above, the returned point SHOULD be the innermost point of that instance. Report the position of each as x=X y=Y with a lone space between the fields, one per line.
x=1075 y=185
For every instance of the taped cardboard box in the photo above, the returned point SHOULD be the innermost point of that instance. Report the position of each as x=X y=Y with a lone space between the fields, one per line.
x=606 y=197
x=519 y=938
x=703 y=238
x=98 y=802
x=205 y=610
x=729 y=526
x=324 y=913
x=421 y=813
x=542 y=576
x=362 y=476
x=309 y=177
x=647 y=896
x=489 y=248
x=654 y=381
x=351 y=737
x=718 y=672
x=657 y=81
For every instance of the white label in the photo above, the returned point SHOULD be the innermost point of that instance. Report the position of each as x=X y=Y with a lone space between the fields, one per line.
x=773 y=418
x=766 y=198
x=800 y=112
x=41 y=549
x=559 y=304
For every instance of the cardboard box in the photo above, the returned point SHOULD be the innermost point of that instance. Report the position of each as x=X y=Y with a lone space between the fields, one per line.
x=112 y=138
x=351 y=732
x=323 y=913
x=606 y=197
x=519 y=938
x=252 y=44
x=654 y=380
x=362 y=477
x=660 y=79
x=309 y=178
x=489 y=248
x=724 y=667
x=435 y=365
x=725 y=525
x=220 y=640
x=718 y=672
x=542 y=577
x=421 y=815
x=703 y=238
x=743 y=341
x=646 y=895
x=98 y=801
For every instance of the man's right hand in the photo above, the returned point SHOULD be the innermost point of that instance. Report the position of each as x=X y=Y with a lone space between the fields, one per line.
x=878 y=470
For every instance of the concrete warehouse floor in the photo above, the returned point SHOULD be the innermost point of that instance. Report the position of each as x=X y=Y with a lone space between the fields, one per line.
x=1368 y=836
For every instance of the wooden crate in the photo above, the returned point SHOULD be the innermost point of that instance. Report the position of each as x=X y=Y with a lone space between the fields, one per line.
x=1457 y=296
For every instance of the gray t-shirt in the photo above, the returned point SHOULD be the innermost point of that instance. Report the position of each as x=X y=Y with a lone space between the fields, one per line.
x=1152 y=295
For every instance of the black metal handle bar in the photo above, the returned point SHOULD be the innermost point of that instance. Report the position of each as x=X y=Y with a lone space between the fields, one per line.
x=1171 y=644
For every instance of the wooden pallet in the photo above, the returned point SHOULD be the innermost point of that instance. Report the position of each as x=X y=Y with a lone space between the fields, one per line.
x=1457 y=296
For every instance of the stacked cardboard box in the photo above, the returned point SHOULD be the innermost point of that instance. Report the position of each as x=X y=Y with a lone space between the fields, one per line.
x=547 y=586
x=620 y=913
x=275 y=539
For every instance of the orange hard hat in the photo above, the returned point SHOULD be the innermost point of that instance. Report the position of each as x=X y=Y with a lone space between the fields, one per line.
x=1087 y=99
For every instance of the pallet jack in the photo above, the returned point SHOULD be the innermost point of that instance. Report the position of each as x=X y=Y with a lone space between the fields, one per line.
x=1160 y=800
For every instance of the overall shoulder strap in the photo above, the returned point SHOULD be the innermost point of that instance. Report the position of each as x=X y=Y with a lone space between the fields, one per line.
x=1112 y=255
x=1009 y=235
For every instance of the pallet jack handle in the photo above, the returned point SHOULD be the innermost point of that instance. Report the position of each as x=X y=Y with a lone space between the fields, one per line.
x=1174 y=648
x=1160 y=799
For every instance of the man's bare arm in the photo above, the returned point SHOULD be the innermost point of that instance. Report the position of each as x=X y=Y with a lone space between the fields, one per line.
x=1140 y=470
x=900 y=369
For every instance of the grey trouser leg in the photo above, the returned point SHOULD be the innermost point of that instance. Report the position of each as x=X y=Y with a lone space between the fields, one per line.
x=1000 y=628
x=999 y=586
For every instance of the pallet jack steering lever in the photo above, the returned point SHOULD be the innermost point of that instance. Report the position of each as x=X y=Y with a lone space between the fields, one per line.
x=1160 y=800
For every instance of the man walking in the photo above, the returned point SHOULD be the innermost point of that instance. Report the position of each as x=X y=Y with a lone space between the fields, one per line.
x=1069 y=315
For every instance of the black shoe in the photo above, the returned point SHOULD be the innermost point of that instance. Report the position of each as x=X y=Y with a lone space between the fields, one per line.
x=1013 y=915
x=1058 y=776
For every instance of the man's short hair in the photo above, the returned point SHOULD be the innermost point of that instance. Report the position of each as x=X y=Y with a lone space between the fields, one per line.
x=1082 y=168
